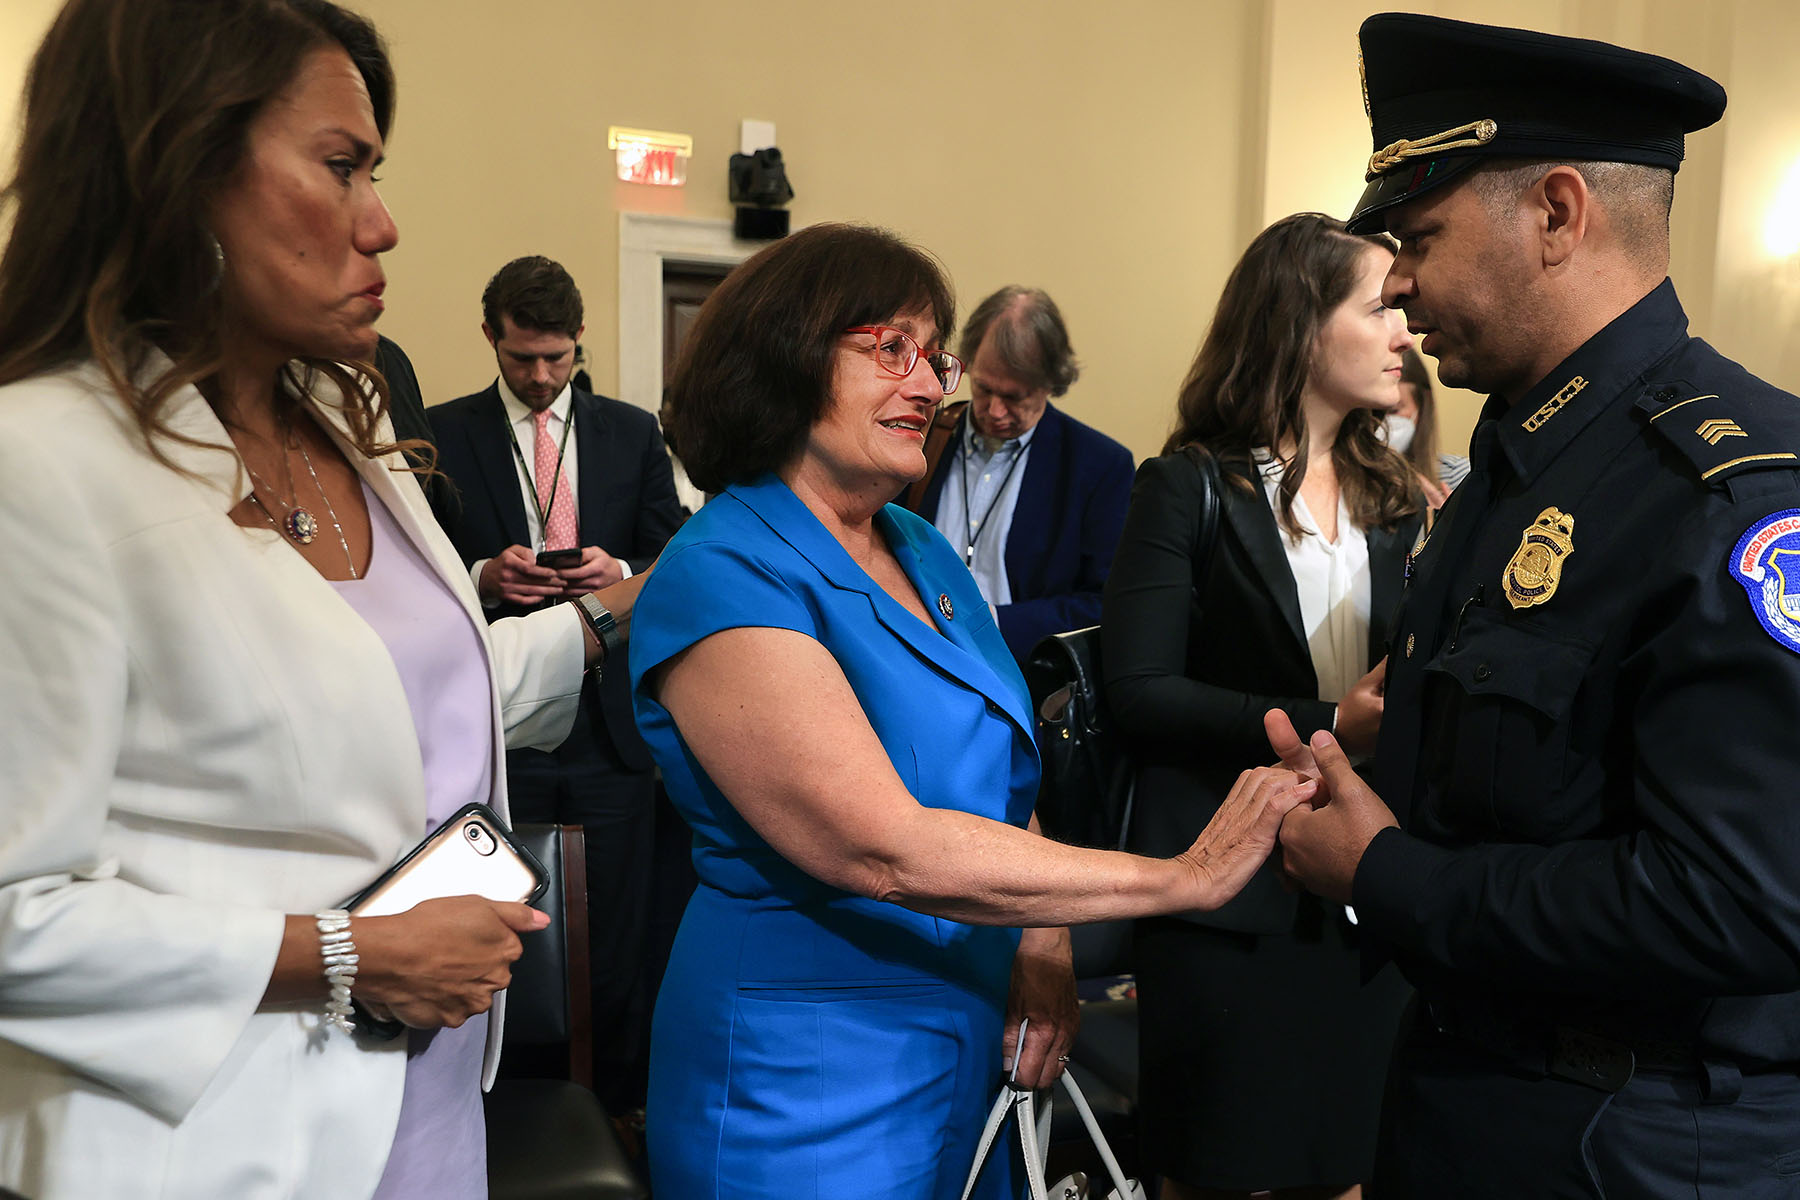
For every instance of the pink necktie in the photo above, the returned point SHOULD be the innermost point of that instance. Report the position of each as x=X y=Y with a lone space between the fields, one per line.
x=559 y=524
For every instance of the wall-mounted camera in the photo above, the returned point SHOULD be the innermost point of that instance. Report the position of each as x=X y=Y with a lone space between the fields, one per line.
x=759 y=188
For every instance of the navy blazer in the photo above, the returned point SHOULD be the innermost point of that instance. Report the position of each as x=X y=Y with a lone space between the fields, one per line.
x=627 y=504
x=1066 y=525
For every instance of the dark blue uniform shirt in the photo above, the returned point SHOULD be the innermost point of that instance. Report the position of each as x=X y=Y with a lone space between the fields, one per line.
x=1592 y=729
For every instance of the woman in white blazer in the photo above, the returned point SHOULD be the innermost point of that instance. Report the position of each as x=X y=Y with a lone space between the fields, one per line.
x=205 y=738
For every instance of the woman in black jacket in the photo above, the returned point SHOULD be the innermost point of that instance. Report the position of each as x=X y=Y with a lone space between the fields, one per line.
x=1262 y=1051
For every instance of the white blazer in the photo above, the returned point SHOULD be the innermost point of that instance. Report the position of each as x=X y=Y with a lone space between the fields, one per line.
x=197 y=736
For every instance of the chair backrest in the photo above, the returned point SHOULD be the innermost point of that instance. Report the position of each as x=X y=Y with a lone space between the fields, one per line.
x=548 y=1002
x=1102 y=949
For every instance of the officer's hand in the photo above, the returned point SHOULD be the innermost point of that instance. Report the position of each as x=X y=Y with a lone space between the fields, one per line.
x=1297 y=757
x=1295 y=754
x=1359 y=712
x=598 y=569
x=514 y=577
x=1322 y=846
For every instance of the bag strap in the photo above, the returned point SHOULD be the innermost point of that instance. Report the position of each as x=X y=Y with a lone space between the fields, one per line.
x=1120 y=1183
x=1012 y=1098
x=1003 y=1105
x=1034 y=1134
x=937 y=439
x=1206 y=529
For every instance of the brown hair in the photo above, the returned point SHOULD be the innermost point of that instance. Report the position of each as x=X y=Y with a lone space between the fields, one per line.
x=755 y=374
x=1423 y=452
x=1242 y=392
x=536 y=293
x=136 y=113
x=1029 y=336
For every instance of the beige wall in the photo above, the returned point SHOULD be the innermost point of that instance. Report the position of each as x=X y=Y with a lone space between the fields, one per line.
x=22 y=26
x=1118 y=155
x=1318 y=143
x=1019 y=143
x=1755 y=303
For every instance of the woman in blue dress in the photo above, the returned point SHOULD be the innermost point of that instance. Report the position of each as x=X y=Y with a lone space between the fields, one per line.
x=837 y=718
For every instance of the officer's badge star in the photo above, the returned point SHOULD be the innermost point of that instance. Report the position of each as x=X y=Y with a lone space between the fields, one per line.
x=1536 y=566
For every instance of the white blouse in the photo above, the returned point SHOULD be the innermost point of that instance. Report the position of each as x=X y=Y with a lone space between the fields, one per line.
x=1332 y=579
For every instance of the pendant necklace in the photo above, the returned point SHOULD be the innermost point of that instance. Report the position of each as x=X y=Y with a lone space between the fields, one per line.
x=331 y=512
x=299 y=524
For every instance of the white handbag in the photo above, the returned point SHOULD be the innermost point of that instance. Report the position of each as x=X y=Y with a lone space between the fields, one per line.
x=1034 y=1139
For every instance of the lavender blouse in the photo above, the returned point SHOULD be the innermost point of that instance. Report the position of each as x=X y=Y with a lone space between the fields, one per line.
x=440 y=1146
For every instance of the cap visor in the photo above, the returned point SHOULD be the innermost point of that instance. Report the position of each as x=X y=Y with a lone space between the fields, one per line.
x=1402 y=184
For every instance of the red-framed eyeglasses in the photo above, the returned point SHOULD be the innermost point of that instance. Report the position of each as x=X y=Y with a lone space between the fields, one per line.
x=897 y=354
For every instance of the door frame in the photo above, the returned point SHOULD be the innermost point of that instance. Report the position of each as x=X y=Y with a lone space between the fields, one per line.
x=646 y=242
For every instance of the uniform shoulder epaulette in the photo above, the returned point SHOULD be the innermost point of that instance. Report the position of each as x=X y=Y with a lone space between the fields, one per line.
x=1733 y=424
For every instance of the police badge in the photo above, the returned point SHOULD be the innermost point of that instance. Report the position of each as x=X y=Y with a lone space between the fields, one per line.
x=1536 y=566
x=1766 y=561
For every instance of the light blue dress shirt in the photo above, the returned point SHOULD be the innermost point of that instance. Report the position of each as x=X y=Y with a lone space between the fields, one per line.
x=976 y=508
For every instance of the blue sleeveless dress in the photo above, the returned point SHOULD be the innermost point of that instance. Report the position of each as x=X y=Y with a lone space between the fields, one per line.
x=809 y=1042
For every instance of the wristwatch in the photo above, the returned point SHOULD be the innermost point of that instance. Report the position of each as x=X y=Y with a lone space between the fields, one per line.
x=601 y=622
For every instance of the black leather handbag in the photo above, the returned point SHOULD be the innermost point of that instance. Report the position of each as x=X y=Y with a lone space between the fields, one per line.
x=1085 y=796
x=1088 y=777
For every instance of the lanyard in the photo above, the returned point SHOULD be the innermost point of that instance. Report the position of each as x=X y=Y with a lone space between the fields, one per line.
x=542 y=510
x=993 y=503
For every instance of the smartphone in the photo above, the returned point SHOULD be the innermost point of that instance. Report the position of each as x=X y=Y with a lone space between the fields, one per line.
x=471 y=854
x=558 y=560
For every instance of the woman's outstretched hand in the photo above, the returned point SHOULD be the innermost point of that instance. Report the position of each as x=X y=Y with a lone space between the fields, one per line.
x=1241 y=835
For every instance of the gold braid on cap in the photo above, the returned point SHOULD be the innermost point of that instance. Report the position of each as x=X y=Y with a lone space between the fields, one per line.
x=1481 y=133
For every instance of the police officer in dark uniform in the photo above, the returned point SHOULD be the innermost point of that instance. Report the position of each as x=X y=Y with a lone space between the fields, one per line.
x=1592 y=725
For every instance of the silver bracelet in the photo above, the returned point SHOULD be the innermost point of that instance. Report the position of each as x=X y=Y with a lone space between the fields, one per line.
x=339 y=954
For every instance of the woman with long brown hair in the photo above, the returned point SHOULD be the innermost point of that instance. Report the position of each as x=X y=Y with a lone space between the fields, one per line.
x=241 y=669
x=1261 y=556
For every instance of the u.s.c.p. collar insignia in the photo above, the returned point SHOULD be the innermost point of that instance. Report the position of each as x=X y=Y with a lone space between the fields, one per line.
x=1766 y=561
x=1535 y=568
x=1554 y=404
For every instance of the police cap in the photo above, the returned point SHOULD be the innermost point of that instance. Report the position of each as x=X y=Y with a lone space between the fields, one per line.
x=1443 y=96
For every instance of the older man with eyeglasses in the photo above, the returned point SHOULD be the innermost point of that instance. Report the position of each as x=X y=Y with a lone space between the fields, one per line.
x=1033 y=499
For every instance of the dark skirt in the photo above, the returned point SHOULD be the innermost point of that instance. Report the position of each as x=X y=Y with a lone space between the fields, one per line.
x=1262 y=1057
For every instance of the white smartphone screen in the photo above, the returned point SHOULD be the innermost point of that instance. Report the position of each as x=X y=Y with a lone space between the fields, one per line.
x=466 y=856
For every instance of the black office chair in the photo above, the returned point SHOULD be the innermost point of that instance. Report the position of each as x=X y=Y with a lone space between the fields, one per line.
x=549 y=1139
x=1107 y=1042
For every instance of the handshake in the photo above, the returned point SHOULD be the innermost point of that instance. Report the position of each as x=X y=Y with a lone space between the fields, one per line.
x=1312 y=806
x=1323 y=837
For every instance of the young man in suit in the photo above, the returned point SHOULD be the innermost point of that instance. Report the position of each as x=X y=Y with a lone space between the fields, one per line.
x=560 y=491
x=1033 y=499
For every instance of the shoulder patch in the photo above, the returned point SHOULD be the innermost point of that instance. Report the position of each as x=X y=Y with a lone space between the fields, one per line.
x=1766 y=560
x=1722 y=436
